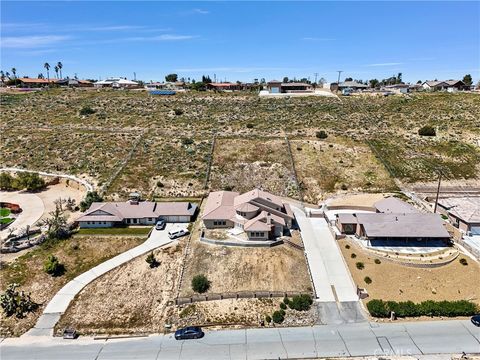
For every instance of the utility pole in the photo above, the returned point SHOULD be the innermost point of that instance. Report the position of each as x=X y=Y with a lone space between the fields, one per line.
x=316 y=74
x=339 y=72
x=134 y=76
x=438 y=190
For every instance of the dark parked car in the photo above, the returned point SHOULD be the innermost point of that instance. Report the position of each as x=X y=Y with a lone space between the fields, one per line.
x=70 y=334
x=160 y=225
x=476 y=320
x=189 y=332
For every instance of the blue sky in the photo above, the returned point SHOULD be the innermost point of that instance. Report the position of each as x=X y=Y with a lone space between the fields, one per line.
x=243 y=40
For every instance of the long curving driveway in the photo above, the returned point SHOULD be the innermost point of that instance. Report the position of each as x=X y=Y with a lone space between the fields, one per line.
x=60 y=302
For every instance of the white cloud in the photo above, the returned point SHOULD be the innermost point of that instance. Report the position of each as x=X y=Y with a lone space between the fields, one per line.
x=164 y=37
x=201 y=11
x=33 y=41
x=386 y=64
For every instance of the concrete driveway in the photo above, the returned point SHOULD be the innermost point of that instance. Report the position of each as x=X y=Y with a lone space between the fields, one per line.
x=330 y=273
x=31 y=205
x=60 y=302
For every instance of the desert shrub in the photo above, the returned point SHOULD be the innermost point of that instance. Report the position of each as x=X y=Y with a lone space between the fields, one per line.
x=250 y=126
x=377 y=261
x=353 y=256
x=200 y=283
x=29 y=181
x=347 y=246
x=178 y=112
x=321 y=134
x=463 y=261
x=188 y=311
x=160 y=184
x=53 y=267
x=286 y=300
x=278 y=317
x=283 y=306
x=344 y=187
x=7 y=181
x=187 y=141
x=16 y=303
x=378 y=308
x=87 y=110
x=427 y=130
x=360 y=265
x=91 y=197
x=301 y=302
x=152 y=261
x=268 y=319
x=367 y=280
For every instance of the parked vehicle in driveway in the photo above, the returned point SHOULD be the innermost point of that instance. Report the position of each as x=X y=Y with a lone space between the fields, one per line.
x=476 y=320
x=173 y=234
x=189 y=332
x=160 y=225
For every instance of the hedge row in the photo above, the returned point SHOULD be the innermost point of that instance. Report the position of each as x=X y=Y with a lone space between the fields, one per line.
x=382 y=309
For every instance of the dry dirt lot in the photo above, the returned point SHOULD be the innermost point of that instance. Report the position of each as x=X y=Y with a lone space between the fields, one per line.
x=392 y=281
x=335 y=164
x=132 y=298
x=77 y=254
x=232 y=269
x=245 y=163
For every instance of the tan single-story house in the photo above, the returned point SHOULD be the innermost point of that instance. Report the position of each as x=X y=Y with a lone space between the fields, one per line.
x=133 y=212
x=463 y=213
x=394 y=219
x=277 y=87
x=259 y=214
x=227 y=86
x=30 y=82
x=446 y=85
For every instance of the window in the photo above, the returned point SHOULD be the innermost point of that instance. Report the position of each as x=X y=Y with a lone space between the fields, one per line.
x=134 y=221
x=149 y=219
x=88 y=222
x=105 y=223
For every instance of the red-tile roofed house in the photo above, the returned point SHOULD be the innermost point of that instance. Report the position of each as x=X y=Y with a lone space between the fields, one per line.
x=260 y=214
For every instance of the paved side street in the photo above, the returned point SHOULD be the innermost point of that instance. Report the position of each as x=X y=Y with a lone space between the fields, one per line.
x=364 y=339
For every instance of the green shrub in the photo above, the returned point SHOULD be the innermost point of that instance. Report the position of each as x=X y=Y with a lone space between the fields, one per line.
x=152 y=261
x=87 y=110
x=367 y=280
x=321 y=134
x=268 y=319
x=250 y=126
x=53 y=267
x=353 y=256
x=283 y=306
x=91 y=197
x=187 y=141
x=380 y=308
x=360 y=265
x=29 y=181
x=427 y=130
x=301 y=302
x=278 y=317
x=286 y=300
x=16 y=303
x=463 y=261
x=377 y=261
x=200 y=284
x=178 y=112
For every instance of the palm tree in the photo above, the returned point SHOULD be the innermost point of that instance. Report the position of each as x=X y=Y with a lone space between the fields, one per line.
x=60 y=66
x=2 y=76
x=40 y=76
x=47 y=66
x=14 y=72
x=56 y=70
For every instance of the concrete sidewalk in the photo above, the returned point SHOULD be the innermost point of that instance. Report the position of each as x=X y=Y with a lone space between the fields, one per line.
x=60 y=302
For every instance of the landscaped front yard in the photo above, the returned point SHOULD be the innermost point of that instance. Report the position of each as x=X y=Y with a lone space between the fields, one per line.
x=77 y=254
x=392 y=281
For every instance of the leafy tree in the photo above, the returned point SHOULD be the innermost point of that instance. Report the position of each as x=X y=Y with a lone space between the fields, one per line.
x=7 y=181
x=467 y=79
x=57 y=227
x=206 y=79
x=91 y=197
x=30 y=181
x=200 y=284
x=16 y=303
x=171 y=77
x=349 y=79
x=152 y=261
x=374 y=83
x=198 y=86
x=321 y=134
x=53 y=267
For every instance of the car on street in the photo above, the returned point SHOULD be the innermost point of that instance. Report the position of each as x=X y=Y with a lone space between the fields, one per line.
x=189 y=332
x=476 y=320
x=70 y=334
x=160 y=225
x=173 y=234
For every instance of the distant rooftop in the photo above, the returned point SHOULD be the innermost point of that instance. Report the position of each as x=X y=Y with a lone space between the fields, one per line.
x=465 y=208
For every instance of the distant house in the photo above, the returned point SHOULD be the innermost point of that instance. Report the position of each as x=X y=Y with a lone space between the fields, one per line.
x=354 y=85
x=393 y=220
x=74 y=83
x=30 y=83
x=259 y=214
x=447 y=85
x=397 y=88
x=463 y=212
x=133 y=212
x=116 y=83
x=277 y=87
x=176 y=86
x=227 y=86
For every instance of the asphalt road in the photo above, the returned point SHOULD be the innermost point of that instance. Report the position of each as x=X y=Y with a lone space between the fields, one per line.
x=361 y=339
